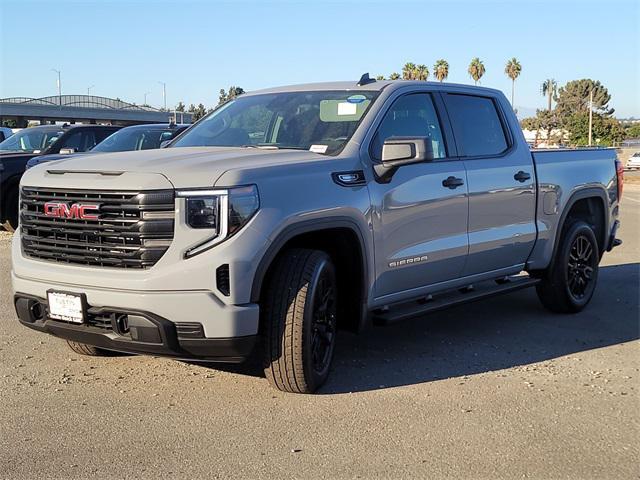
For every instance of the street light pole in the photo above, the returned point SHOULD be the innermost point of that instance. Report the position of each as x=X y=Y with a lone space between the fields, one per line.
x=59 y=86
x=590 y=115
x=164 y=94
x=89 y=89
x=145 y=97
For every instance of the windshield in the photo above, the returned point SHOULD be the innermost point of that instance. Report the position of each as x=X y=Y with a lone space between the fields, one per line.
x=321 y=122
x=30 y=140
x=133 y=139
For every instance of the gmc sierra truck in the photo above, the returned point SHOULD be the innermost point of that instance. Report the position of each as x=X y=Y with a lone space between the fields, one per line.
x=289 y=214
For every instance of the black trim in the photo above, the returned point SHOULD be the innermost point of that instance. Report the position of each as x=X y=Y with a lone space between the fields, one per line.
x=360 y=180
x=591 y=192
x=232 y=350
x=305 y=227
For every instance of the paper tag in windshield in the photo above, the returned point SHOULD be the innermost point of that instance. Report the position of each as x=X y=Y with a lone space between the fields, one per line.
x=346 y=108
x=318 y=148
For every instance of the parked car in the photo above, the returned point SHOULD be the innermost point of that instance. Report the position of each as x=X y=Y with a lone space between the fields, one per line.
x=18 y=149
x=137 y=137
x=290 y=213
x=5 y=133
x=633 y=162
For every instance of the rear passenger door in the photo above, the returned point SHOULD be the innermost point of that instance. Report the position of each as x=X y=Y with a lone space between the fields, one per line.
x=501 y=183
x=419 y=219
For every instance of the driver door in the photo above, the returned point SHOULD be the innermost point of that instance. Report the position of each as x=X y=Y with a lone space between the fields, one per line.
x=420 y=224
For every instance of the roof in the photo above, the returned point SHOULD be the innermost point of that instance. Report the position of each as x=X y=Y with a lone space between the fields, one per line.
x=167 y=126
x=375 y=85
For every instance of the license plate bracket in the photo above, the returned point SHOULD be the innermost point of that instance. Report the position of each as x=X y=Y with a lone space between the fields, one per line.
x=67 y=306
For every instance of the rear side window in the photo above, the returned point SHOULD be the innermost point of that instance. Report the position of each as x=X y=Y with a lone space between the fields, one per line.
x=476 y=125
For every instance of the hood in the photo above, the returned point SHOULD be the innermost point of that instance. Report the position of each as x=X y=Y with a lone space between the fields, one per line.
x=184 y=167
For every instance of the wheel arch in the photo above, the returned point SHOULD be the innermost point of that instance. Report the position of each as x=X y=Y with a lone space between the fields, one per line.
x=340 y=238
x=587 y=204
x=8 y=185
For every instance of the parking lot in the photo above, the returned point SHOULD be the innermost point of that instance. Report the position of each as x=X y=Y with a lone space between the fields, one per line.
x=500 y=388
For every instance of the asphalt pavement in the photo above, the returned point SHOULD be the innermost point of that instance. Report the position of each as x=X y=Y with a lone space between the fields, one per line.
x=495 y=389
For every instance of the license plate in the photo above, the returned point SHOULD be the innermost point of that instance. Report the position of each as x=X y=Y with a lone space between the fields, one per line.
x=69 y=307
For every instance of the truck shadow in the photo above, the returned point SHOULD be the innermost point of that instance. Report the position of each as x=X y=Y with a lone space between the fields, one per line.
x=486 y=336
x=480 y=337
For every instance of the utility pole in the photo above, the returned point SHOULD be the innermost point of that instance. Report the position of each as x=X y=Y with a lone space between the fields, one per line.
x=164 y=94
x=59 y=86
x=590 y=115
x=89 y=89
x=145 y=97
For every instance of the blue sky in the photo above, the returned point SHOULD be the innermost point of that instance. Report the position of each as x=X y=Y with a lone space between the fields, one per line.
x=125 y=47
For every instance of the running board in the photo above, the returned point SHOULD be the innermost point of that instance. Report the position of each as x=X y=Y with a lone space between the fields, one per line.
x=451 y=298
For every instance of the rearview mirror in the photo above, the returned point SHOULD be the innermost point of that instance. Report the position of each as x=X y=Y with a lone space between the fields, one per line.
x=67 y=151
x=399 y=151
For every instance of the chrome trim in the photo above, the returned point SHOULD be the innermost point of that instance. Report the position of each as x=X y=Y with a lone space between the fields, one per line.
x=201 y=193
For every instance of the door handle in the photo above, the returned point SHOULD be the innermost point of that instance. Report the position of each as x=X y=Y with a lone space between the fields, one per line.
x=522 y=176
x=452 y=182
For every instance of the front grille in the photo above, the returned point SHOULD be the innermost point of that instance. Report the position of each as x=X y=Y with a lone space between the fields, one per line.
x=132 y=229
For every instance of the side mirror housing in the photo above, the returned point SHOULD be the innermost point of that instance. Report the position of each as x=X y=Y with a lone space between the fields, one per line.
x=67 y=151
x=165 y=143
x=399 y=151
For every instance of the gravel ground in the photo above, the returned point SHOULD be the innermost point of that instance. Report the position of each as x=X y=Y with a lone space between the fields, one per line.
x=499 y=389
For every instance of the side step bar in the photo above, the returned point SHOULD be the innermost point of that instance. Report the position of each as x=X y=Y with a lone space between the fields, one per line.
x=452 y=298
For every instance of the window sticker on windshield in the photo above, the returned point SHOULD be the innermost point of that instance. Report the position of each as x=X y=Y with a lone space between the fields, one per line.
x=318 y=148
x=346 y=108
x=356 y=99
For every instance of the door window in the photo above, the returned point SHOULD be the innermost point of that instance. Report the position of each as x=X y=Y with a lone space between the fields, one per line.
x=476 y=125
x=411 y=115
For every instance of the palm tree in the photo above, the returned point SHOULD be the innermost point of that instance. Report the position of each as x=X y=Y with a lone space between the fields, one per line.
x=513 y=69
x=548 y=89
x=441 y=70
x=380 y=77
x=394 y=76
x=409 y=71
x=476 y=69
x=422 y=72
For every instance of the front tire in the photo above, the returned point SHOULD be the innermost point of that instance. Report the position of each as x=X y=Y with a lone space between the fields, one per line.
x=568 y=285
x=299 y=319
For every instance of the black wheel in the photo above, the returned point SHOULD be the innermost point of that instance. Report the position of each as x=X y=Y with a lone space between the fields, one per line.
x=299 y=321
x=568 y=285
x=84 y=349
x=12 y=209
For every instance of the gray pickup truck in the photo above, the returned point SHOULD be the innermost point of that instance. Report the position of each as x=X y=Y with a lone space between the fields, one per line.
x=291 y=213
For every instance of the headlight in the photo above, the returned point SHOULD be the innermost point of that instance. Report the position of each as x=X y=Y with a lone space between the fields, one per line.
x=223 y=211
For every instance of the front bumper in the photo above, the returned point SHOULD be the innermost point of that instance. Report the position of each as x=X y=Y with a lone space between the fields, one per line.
x=135 y=331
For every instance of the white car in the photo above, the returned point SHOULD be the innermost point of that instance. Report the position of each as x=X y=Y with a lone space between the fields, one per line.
x=633 y=162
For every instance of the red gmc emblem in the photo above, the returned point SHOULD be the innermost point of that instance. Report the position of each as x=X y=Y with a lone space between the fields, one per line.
x=77 y=210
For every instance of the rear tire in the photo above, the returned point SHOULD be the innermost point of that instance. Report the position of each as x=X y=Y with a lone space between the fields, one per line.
x=299 y=321
x=568 y=285
x=89 y=350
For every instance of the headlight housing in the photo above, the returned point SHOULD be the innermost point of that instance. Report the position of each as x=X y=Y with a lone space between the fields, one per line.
x=223 y=211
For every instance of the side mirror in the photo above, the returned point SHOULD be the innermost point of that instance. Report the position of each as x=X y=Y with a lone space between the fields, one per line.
x=399 y=151
x=165 y=143
x=67 y=151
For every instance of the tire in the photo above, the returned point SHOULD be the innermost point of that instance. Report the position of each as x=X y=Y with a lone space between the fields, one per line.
x=568 y=285
x=299 y=321
x=11 y=205
x=90 y=350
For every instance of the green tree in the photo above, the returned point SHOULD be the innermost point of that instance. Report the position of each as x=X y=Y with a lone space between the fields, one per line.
x=441 y=70
x=545 y=121
x=574 y=98
x=630 y=131
x=409 y=71
x=199 y=112
x=422 y=73
x=394 y=76
x=549 y=89
x=380 y=77
x=180 y=107
x=230 y=95
x=476 y=69
x=606 y=129
x=512 y=69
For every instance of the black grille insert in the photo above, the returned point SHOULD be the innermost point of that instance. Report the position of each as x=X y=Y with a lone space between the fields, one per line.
x=132 y=229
